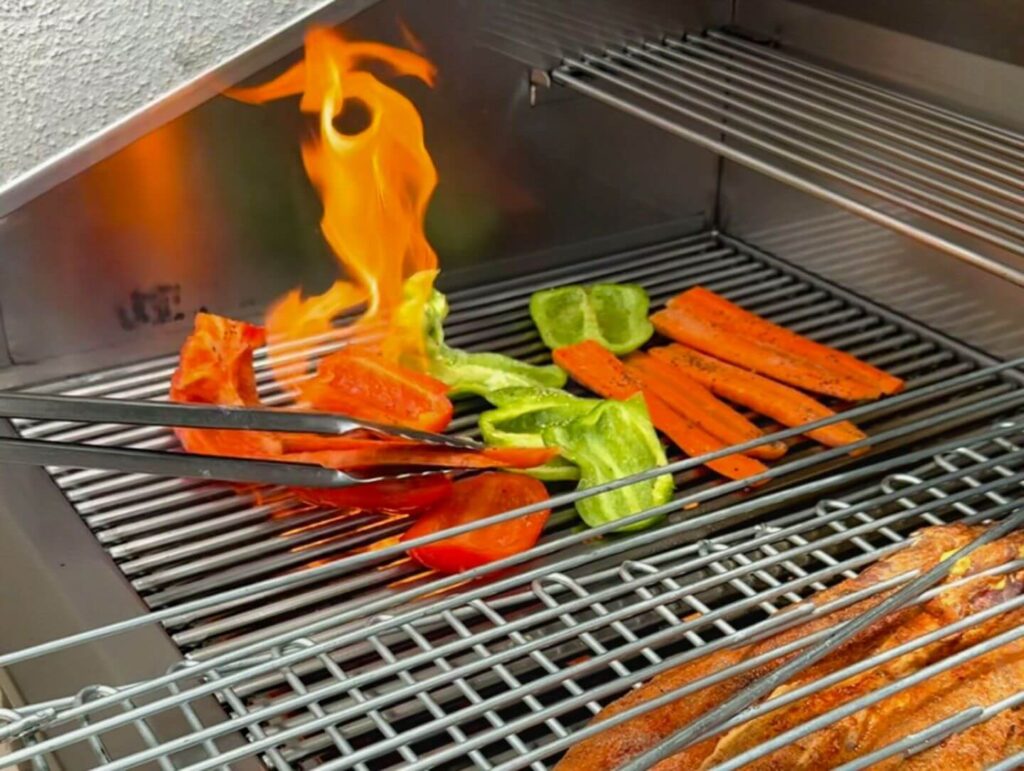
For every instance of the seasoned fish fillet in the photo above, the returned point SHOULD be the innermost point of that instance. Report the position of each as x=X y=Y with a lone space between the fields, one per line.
x=611 y=748
x=992 y=677
x=850 y=737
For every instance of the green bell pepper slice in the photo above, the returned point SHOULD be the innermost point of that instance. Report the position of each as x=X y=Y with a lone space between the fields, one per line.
x=478 y=373
x=614 y=315
x=521 y=416
x=613 y=440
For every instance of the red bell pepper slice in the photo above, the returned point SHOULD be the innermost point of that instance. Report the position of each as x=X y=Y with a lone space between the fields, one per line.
x=215 y=367
x=473 y=499
x=398 y=495
x=359 y=384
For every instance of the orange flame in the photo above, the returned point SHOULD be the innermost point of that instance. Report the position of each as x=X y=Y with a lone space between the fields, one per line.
x=375 y=184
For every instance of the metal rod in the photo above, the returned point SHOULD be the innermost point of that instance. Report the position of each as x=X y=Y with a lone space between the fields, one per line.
x=789 y=130
x=340 y=715
x=727 y=127
x=821 y=721
x=558 y=500
x=146 y=413
x=727 y=70
x=137 y=622
x=733 y=706
x=936 y=733
x=773 y=625
x=1008 y=141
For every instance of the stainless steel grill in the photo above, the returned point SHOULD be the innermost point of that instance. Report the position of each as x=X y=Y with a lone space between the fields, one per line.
x=505 y=675
x=304 y=637
x=338 y=657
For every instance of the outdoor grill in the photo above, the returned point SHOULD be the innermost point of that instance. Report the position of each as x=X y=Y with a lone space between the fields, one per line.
x=807 y=161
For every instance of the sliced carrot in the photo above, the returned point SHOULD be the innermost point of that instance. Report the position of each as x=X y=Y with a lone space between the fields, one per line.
x=688 y=397
x=774 y=400
x=594 y=366
x=695 y=441
x=696 y=330
x=756 y=328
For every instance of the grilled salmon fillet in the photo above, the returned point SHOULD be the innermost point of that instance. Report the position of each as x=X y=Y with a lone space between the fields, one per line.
x=611 y=748
x=852 y=736
x=982 y=682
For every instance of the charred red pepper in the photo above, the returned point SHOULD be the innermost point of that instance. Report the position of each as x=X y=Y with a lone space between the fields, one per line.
x=360 y=384
x=473 y=499
x=215 y=367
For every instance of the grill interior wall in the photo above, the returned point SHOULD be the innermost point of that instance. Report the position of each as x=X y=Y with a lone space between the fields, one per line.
x=514 y=180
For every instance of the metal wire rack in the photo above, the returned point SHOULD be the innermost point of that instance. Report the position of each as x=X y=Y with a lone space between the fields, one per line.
x=847 y=141
x=179 y=539
x=323 y=653
x=498 y=679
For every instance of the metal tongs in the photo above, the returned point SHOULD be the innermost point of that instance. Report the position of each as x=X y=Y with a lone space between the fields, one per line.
x=35 y=452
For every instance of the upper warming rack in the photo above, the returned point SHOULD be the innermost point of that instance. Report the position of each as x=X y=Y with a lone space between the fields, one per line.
x=915 y=167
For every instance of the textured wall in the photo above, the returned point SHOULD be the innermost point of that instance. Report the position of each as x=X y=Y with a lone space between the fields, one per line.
x=71 y=67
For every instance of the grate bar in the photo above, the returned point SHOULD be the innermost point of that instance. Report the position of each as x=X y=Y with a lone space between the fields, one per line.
x=921 y=675
x=996 y=463
x=1005 y=400
x=795 y=615
x=938 y=117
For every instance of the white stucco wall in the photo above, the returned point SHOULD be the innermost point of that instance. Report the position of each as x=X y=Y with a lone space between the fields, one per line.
x=71 y=67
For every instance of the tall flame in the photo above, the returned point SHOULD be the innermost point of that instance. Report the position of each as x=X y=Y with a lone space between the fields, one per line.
x=375 y=184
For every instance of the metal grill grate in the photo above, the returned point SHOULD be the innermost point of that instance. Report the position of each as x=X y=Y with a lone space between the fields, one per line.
x=508 y=680
x=847 y=141
x=508 y=671
x=176 y=539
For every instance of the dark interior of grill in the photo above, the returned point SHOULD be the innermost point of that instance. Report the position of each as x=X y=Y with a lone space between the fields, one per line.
x=838 y=168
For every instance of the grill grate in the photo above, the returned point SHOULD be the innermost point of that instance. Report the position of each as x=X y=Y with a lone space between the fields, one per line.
x=490 y=683
x=508 y=672
x=177 y=539
x=830 y=135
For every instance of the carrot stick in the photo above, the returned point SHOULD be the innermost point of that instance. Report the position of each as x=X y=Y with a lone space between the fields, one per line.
x=782 y=403
x=594 y=366
x=753 y=326
x=688 y=397
x=698 y=331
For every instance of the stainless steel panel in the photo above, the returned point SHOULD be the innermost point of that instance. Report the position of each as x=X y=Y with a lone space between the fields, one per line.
x=57 y=581
x=983 y=86
x=863 y=257
x=214 y=209
x=991 y=28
